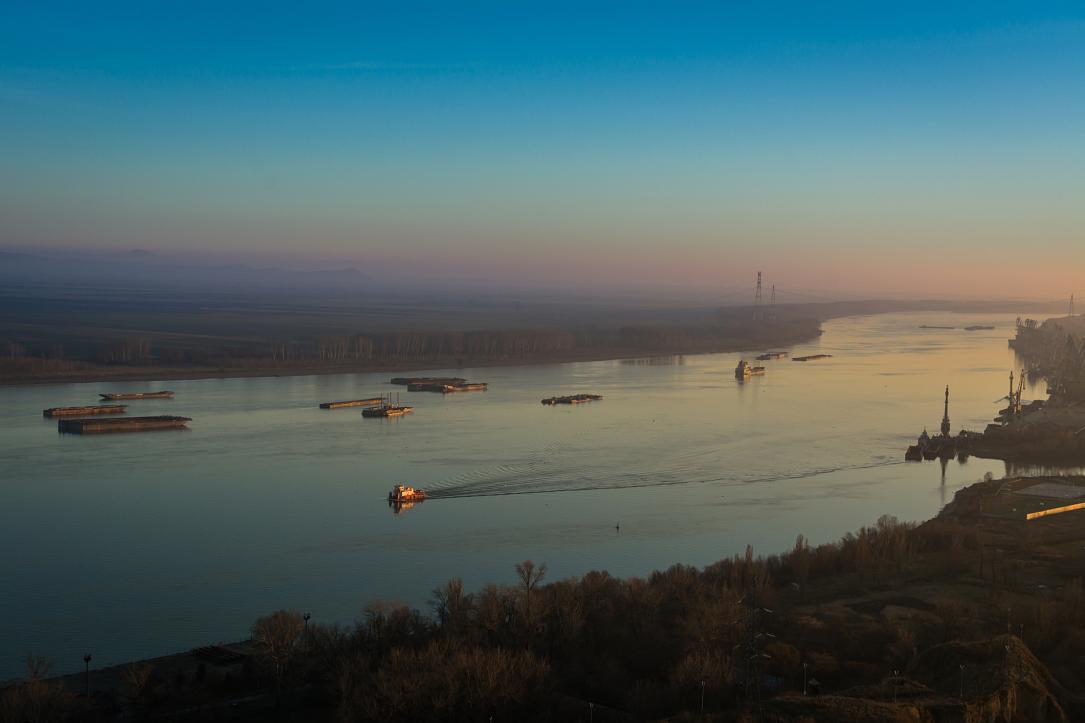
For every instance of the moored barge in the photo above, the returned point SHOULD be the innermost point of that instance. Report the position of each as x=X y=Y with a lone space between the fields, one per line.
x=407 y=381
x=81 y=411
x=123 y=424
x=444 y=388
x=112 y=396
x=373 y=401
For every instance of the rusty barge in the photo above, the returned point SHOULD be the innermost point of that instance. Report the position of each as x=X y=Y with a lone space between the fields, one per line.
x=84 y=411
x=124 y=424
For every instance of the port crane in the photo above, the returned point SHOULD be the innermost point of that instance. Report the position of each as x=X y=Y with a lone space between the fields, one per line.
x=1016 y=403
x=1014 y=395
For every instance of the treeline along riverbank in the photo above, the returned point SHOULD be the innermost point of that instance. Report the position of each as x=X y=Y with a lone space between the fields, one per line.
x=49 y=340
x=91 y=334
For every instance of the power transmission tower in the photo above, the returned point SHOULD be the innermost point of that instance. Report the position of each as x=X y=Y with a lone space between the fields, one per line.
x=753 y=638
x=772 y=303
x=1071 y=304
x=757 y=299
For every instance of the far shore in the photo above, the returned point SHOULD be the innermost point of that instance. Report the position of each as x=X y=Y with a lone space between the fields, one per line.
x=159 y=373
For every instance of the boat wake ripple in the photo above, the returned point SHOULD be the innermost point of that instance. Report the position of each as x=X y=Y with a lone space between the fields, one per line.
x=539 y=475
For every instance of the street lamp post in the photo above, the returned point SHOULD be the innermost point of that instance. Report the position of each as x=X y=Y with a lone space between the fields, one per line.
x=804 y=667
x=591 y=711
x=962 y=681
x=895 y=681
x=86 y=663
x=702 y=696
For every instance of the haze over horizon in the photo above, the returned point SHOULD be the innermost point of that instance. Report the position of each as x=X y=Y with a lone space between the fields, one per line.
x=851 y=149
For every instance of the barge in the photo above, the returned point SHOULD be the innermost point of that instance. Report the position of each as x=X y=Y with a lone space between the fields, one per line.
x=769 y=355
x=407 y=381
x=811 y=357
x=572 y=399
x=113 y=396
x=373 y=401
x=84 y=411
x=444 y=388
x=125 y=424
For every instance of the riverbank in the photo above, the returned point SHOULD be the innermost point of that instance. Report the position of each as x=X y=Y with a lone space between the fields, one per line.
x=976 y=614
x=84 y=373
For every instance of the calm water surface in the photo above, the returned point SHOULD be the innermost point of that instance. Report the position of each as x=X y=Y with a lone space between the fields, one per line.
x=136 y=545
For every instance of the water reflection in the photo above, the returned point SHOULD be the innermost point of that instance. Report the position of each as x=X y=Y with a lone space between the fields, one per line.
x=1018 y=469
x=656 y=361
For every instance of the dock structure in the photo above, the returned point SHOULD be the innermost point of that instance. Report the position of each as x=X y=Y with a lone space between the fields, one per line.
x=124 y=424
x=84 y=411
x=113 y=396
x=371 y=402
x=572 y=399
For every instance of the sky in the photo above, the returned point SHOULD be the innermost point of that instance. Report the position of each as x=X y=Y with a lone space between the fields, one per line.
x=890 y=148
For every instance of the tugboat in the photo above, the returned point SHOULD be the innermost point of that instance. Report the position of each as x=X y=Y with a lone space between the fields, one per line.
x=387 y=408
x=402 y=495
x=744 y=370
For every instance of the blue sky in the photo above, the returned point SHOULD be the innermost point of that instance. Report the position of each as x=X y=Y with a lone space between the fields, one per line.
x=677 y=142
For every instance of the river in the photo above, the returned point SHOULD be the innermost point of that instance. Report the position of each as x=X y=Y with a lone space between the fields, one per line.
x=135 y=545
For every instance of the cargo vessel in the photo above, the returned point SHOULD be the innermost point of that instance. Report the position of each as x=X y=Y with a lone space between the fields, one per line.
x=744 y=370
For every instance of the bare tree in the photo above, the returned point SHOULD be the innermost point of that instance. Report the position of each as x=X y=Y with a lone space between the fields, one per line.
x=276 y=637
x=139 y=681
x=36 y=700
x=530 y=577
